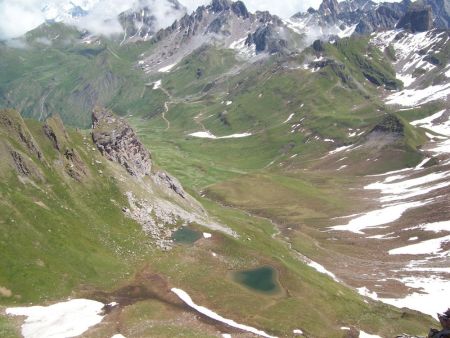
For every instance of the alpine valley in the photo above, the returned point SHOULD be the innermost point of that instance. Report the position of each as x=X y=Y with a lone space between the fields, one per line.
x=223 y=173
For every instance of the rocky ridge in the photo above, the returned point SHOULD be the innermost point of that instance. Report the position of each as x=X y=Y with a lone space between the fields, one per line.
x=222 y=23
x=363 y=17
x=161 y=204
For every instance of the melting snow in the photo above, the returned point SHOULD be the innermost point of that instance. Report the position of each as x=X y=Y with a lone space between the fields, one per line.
x=61 y=320
x=321 y=269
x=363 y=291
x=432 y=291
x=242 y=49
x=409 y=188
x=157 y=84
x=205 y=311
x=363 y=334
x=338 y=150
x=436 y=227
x=416 y=97
x=209 y=135
x=408 y=60
x=375 y=218
x=167 y=69
x=441 y=128
x=289 y=118
x=431 y=246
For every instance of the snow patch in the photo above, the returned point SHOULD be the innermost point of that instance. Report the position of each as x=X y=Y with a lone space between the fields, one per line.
x=363 y=291
x=375 y=218
x=430 y=247
x=289 y=118
x=167 y=69
x=61 y=320
x=363 y=334
x=340 y=149
x=428 y=300
x=417 y=97
x=157 y=84
x=205 y=311
x=209 y=135
x=320 y=268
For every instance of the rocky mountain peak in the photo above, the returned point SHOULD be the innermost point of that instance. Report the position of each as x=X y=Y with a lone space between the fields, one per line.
x=118 y=142
x=141 y=21
x=329 y=7
x=218 y=6
x=240 y=9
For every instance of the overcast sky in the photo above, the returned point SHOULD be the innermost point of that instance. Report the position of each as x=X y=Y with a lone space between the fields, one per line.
x=20 y=16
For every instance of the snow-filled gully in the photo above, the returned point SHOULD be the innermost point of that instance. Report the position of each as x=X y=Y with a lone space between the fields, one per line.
x=184 y=296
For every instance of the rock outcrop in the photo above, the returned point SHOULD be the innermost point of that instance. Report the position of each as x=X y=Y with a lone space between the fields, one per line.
x=441 y=12
x=444 y=319
x=163 y=179
x=75 y=167
x=388 y=131
x=117 y=141
x=389 y=125
x=16 y=128
x=266 y=39
x=141 y=22
x=417 y=19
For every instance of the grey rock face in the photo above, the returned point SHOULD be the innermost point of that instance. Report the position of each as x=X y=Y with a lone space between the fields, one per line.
x=417 y=19
x=369 y=16
x=117 y=141
x=240 y=10
x=265 y=39
x=384 y=17
x=220 y=5
x=441 y=12
x=141 y=22
x=170 y=182
x=21 y=165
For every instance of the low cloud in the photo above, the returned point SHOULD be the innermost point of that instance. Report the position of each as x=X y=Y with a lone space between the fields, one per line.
x=20 y=16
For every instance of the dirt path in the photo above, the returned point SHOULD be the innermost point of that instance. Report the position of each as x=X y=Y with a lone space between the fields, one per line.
x=166 y=110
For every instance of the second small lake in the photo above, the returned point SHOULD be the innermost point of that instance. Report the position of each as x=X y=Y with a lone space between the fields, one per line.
x=263 y=279
x=186 y=235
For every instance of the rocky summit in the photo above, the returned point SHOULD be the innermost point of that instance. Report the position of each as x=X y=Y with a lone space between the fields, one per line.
x=117 y=141
x=173 y=170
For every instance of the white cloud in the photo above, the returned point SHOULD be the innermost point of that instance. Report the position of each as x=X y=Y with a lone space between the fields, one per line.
x=19 y=16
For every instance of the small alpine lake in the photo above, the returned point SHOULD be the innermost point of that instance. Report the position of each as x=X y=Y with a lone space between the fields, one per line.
x=186 y=235
x=263 y=279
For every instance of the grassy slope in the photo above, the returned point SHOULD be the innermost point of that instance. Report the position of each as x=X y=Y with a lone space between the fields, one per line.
x=71 y=77
x=64 y=232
